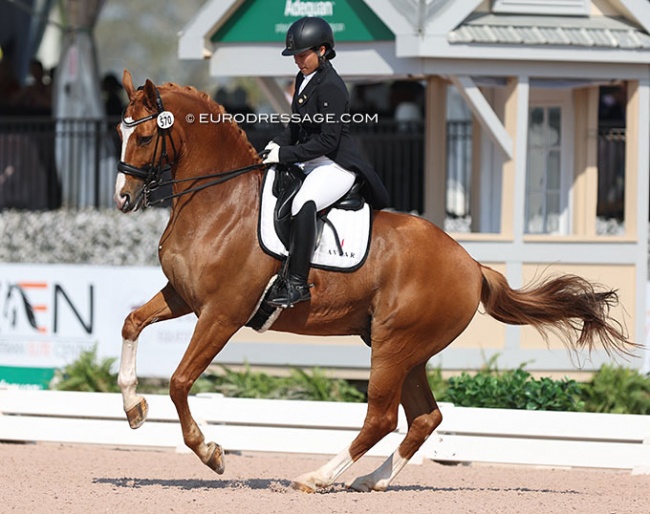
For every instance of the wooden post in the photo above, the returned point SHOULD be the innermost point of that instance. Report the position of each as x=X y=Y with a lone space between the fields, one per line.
x=435 y=151
x=585 y=189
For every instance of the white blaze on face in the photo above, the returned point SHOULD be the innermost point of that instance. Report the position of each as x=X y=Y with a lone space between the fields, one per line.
x=121 y=178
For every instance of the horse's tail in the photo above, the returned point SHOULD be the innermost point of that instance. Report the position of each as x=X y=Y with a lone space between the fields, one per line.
x=566 y=304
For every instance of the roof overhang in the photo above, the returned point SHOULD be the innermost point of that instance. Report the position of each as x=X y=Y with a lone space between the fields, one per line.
x=422 y=45
x=441 y=36
x=194 y=39
x=352 y=60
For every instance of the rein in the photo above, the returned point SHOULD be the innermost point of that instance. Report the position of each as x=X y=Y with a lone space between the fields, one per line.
x=152 y=173
x=223 y=176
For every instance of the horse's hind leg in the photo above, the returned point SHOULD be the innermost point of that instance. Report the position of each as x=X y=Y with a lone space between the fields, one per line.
x=423 y=416
x=164 y=305
x=381 y=419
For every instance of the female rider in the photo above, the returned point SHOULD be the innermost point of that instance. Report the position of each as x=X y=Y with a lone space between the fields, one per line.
x=318 y=138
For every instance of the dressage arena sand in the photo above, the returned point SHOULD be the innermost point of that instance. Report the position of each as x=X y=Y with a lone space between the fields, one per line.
x=75 y=479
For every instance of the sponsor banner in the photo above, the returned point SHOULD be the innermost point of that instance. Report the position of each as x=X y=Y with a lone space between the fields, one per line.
x=49 y=314
x=269 y=20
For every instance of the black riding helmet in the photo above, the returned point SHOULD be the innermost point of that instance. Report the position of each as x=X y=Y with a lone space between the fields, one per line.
x=310 y=32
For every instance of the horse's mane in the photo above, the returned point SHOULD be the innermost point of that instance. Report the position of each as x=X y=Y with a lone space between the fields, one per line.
x=214 y=108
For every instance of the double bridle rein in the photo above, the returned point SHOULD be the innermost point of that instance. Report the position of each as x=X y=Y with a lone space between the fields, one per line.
x=152 y=173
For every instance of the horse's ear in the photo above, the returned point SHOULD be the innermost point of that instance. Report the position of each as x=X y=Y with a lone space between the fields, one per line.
x=127 y=82
x=150 y=94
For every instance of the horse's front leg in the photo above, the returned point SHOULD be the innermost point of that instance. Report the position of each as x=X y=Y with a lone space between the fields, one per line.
x=164 y=305
x=210 y=336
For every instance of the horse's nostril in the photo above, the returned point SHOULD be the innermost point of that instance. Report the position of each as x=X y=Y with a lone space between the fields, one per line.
x=124 y=202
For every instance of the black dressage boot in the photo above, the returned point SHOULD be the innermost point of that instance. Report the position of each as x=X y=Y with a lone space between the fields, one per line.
x=301 y=248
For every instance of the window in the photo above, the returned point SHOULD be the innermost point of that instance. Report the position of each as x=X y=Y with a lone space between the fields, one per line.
x=543 y=7
x=544 y=205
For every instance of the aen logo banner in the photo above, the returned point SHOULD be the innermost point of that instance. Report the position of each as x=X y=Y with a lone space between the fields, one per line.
x=43 y=322
x=49 y=314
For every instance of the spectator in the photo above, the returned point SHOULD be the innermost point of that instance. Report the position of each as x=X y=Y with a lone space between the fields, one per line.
x=9 y=86
x=113 y=105
x=222 y=97
x=36 y=97
x=112 y=92
x=407 y=101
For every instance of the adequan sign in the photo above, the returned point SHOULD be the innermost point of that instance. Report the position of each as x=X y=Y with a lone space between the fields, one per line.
x=267 y=21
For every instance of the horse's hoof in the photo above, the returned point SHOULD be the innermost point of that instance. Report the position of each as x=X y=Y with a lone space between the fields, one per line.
x=304 y=488
x=137 y=414
x=216 y=462
x=366 y=484
x=307 y=483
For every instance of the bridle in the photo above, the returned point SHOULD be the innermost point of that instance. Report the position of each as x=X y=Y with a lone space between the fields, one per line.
x=152 y=173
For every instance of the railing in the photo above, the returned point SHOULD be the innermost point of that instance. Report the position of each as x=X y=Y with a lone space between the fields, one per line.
x=467 y=434
x=46 y=163
x=28 y=178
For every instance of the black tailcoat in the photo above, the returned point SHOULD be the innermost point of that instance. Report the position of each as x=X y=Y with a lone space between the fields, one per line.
x=319 y=127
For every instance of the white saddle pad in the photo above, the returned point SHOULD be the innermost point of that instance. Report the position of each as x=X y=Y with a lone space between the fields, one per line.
x=353 y=229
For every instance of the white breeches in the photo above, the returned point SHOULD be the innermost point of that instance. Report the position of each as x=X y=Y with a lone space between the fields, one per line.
x=325 y=183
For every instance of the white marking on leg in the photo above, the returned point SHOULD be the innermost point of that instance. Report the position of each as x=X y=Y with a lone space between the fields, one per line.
x=328 y=473
x=333 y=469
x=379 y=479
x=126 y=378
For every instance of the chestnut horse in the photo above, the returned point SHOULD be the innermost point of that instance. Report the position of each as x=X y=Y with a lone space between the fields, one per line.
x=416 y=292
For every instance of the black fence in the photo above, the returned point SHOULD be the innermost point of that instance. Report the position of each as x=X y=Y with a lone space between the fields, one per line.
x=47 y=164
x=28 y=178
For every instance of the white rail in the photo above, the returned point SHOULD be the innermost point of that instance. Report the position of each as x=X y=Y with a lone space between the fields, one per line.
x=565 y=439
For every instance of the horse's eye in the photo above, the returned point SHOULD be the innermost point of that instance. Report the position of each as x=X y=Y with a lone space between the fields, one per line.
x=143 y=140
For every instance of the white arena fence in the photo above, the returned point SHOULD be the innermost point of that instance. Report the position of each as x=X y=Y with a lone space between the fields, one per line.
x=466 y=435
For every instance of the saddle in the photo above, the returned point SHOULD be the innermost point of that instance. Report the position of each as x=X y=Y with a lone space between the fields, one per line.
x=287 y=183
x=342 y=240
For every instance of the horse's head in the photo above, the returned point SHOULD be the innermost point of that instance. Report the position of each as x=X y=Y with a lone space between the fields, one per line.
x=149 y=145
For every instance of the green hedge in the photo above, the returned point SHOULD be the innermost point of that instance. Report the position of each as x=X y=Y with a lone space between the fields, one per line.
x=617 y=390
x=611 y=389
x=515 y=389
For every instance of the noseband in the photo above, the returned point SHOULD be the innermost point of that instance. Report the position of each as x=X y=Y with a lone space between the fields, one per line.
x=152 y=173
